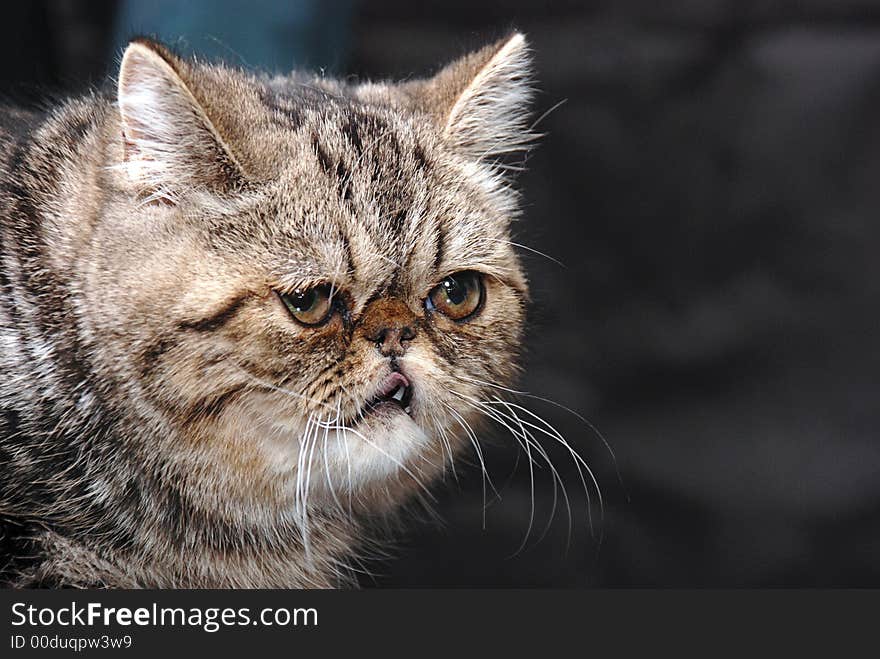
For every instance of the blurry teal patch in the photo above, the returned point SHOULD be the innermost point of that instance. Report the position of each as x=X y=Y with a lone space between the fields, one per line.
x=258 y=34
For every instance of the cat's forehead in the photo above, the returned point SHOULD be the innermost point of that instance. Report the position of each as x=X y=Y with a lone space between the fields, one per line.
x=358 y=243
x=368 y=197
x=357 y=142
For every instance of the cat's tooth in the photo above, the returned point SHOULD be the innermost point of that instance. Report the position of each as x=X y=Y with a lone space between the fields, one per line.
x=398 y=395
x=407 y=409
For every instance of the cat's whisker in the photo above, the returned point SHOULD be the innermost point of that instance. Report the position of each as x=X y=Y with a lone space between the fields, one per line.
x=304 y=501
x=552 y=402
x=339 y=505
x=557 y=479
x=299 y=505
x=282 y=390
x=531 y=463
x=446 y=445
x=432 y=420
x=551 y=432
x=547 y=113
x=345 y=430
x=473 y=439
x=528 y=249
x=312 y=444
x=309 y=451
x=527 y=440
x=548 y=430
x=347 y=462
x=397 y=462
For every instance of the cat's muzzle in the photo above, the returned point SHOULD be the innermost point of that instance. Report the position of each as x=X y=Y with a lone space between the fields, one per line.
x=395 y=390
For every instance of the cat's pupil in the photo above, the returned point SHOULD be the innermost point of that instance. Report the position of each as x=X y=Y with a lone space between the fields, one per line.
x=303 y=301
x=455 y=292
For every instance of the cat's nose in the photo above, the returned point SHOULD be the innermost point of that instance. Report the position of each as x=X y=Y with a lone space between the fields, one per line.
x=391 y=341
x=390 y=325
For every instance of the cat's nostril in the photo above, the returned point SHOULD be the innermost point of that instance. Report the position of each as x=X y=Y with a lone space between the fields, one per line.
x=390 y=340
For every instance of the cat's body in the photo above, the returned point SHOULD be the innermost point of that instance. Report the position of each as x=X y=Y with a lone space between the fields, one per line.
x=176 y=410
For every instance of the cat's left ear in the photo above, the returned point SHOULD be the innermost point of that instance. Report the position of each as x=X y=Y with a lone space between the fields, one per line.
x=482 y=101
x=170 y=144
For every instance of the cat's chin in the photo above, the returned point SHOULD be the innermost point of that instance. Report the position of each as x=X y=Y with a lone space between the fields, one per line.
x=334 y=460
x=385 y=444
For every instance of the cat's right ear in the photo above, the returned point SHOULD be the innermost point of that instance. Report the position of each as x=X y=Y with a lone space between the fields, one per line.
x=169 y=142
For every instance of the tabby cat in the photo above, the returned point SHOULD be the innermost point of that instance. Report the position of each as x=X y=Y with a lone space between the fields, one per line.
x=244 y=318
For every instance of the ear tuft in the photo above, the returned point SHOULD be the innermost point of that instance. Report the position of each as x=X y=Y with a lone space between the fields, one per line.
x=170 y=144
x=482 y=101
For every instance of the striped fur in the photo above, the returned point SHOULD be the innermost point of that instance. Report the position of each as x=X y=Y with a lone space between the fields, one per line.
x=163 y=420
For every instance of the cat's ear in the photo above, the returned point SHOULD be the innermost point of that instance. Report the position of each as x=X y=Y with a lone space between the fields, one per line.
x=482 y=100
x=169 y=143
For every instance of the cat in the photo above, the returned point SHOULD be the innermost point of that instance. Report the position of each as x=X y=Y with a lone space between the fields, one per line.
x=244 y=318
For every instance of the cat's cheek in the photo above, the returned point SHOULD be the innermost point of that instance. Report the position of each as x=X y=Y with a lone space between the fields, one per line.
x=441 y=403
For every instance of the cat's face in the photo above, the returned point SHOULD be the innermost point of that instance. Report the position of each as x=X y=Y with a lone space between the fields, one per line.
x=324 y=280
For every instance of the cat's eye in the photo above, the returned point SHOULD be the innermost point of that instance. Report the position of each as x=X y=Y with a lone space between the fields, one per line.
x=312 y=306
x=459 y=296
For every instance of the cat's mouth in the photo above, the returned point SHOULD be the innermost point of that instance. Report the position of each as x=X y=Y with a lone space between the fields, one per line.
x=395 y=393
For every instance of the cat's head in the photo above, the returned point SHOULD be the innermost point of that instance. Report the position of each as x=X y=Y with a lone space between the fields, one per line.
x=310 y=281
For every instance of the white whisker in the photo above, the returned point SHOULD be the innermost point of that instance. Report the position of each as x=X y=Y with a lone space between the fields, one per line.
x=549 y=401
x=397 y=462
x=528 y=249
x=554 y=434
x=527 y=440
x=473 y=439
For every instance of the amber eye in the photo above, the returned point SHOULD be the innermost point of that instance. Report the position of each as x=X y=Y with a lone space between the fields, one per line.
x=311 y=306
x=459 y=296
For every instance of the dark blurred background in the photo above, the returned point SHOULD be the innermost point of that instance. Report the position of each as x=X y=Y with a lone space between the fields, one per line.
x=711 y=186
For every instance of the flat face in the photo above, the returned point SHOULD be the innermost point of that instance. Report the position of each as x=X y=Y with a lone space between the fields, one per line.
x=324 y=306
